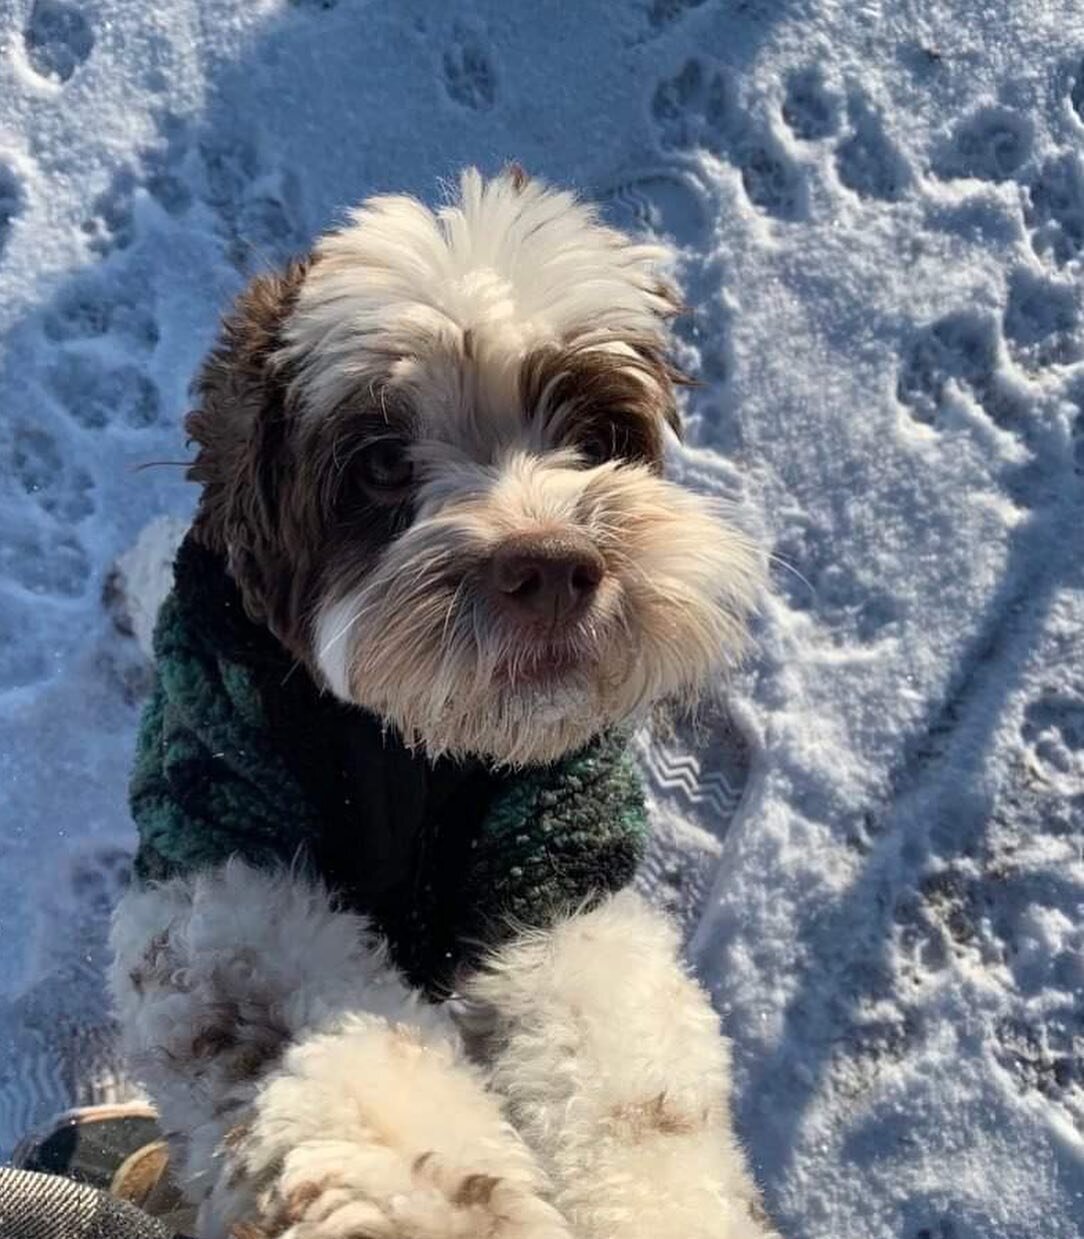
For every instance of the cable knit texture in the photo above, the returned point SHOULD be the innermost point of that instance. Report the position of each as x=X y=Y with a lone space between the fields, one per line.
x=241 y=754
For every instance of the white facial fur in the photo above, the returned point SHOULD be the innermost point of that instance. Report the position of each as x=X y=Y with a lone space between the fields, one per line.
x=441 y=311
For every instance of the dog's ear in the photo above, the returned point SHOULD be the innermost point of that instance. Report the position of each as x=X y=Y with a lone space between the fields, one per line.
x=241 y=427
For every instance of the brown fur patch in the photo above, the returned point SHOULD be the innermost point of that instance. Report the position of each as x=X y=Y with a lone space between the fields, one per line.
x=517 y=174
x=240 y=428
x=758 y=1213
x=588 y=394
x=249 y=1230
x=279 y=499
x=299 y=1198
x=658 y=1116
x=476 y=1189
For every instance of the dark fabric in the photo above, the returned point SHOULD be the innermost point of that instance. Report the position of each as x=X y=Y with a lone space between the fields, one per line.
x=241 y=754
x=43 y=1206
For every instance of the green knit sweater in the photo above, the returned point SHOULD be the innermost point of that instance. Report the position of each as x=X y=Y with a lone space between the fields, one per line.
x=240 y=753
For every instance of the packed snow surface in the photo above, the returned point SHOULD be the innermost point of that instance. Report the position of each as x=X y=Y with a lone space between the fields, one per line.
x=879 y=209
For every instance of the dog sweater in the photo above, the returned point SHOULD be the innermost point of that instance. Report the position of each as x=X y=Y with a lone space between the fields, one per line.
x=241 y=754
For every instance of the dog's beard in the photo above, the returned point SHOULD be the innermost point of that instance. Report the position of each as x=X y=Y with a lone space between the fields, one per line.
x=419 y=642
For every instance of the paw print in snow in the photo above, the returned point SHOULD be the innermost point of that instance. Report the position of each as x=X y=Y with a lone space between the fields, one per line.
x=469 y=77
x=1054 y=730
x=87 y=310
x=692 y=109
x=96 y=395
x=98 y=879
x=809 y=108
x=51 y=563
x=159 y=171
x=697 y=109
x=258 y=205
x=663 y=13
x=1055 y=208
x=962 y=346
x=990 y=145
x=33 y=457
x=21 y=662
x=1041 y=319
x=868 y=163
x=57 y=39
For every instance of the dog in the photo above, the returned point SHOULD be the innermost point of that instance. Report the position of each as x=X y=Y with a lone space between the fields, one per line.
x=433 y=515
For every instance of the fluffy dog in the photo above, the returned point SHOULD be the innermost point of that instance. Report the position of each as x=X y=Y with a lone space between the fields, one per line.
x=432 y=506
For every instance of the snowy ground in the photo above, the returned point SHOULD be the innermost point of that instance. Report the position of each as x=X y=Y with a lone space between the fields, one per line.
x=880 y=208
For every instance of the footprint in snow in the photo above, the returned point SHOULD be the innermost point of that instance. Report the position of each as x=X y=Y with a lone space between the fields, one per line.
x=962 y=347
x=1055 y=208
x=664 y=13
x=810 y=110
x=89 y=310
x=258 y=203
x=57 y=39
x=34 y=458
x=47 y=562
x=97 y=395
x=697 y=108
x=160 y=171
x=868 y=162
x=990 y=145
x=469 y=76
x=1041 y=321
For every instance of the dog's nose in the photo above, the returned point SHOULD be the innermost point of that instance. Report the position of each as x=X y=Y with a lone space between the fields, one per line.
x=546 y=576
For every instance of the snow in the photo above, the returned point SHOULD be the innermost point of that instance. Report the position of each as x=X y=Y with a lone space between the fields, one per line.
x=880 y=209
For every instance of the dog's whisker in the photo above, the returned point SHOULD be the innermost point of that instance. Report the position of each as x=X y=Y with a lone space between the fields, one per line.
x=775 y=558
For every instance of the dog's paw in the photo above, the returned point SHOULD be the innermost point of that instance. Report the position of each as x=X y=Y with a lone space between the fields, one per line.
x=377 y=1131
x=333 y=1190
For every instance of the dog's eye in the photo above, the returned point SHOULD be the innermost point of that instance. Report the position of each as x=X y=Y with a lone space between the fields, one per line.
x=385 y=465
x=598 y=446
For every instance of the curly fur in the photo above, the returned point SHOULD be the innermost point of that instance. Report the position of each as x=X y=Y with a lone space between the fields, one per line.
x=299 y=1080
x=517 y=349
x=617 y=1075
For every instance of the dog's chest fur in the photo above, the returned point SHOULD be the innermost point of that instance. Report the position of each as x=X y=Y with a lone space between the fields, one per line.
x=241 y=754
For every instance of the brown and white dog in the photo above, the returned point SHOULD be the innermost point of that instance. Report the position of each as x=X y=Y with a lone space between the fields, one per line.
x=431 y=454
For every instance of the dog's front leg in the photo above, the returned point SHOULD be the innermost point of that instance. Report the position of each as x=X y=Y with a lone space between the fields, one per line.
x=611 y=1059
x=306 y=1091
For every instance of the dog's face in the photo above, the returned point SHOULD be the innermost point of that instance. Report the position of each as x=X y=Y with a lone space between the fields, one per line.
x=432 y=455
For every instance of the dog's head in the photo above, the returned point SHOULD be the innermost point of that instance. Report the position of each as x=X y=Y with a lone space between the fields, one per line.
x=431 y=454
